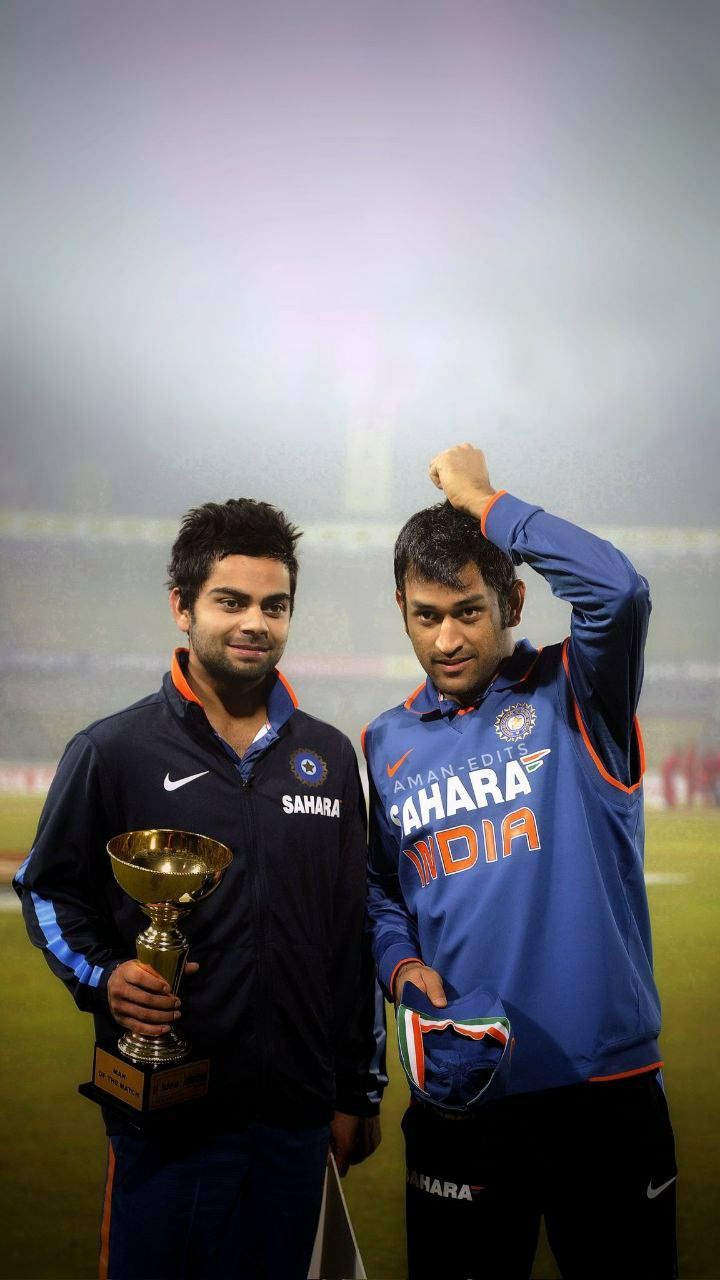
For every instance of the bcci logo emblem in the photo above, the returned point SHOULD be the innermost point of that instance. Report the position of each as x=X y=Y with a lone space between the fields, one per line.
x=308 y=767
x=516 y=722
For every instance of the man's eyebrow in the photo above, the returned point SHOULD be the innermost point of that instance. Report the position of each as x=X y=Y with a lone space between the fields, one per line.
x=275 y=598
x=458 y=604
x=229 y=591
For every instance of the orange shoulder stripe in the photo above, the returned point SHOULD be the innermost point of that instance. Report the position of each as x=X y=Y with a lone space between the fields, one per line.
x=614 y=782
x=532 y=664
x=409 y=701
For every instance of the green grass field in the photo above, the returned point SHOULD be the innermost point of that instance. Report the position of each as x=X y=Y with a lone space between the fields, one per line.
x=53 y=1153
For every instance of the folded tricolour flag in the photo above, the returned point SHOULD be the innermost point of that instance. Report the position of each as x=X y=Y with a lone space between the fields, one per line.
x=455 y=1057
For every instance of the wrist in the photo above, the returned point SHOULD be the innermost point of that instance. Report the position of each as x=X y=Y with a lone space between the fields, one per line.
x=400 y=975
x=478 y=500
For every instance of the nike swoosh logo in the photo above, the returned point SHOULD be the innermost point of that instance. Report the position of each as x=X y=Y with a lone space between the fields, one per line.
x=181 y=782
x=393 y=768
x=652 y=1191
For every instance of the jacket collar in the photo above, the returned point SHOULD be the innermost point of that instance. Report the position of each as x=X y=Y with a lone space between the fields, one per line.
x=281 y=699
x=426 y=701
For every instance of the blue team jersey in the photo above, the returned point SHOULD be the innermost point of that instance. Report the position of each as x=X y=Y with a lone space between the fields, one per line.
x=506 y=846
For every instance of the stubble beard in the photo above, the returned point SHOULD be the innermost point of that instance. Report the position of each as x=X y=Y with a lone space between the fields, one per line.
x=223 y=671
x=465 y=696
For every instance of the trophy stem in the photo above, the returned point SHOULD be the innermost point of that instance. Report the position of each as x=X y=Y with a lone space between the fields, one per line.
x=162 y=945
x=164 y=949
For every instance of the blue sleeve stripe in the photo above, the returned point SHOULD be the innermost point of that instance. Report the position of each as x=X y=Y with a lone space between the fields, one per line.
x=23 y=868
x=83 y=970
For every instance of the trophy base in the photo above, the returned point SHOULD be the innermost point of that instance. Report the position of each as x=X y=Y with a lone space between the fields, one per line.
x=141 y=1090
x=153 y=1051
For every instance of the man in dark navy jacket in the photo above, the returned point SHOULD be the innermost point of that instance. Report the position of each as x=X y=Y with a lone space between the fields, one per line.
x=508 y=900
x=278 y=991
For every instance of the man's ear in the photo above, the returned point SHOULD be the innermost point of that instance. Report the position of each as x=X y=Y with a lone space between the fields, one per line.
x=516 y=600
x=181 y=616
x=401 y=604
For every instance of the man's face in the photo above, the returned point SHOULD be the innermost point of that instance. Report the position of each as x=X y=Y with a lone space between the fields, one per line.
x=238 y=626
x=458 y=636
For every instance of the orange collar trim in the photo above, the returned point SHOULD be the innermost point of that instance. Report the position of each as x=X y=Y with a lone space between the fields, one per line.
x=409 y=701
x=179 y=679
x=287 y=686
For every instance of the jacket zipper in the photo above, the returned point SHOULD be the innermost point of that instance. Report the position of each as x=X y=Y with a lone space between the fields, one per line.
x=257 y=896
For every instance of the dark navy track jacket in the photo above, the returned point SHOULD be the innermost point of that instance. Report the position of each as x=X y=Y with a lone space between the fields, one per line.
x=283 y=1001
x=506 y=840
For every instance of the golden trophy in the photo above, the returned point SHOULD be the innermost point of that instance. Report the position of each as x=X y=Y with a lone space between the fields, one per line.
x=167 y=872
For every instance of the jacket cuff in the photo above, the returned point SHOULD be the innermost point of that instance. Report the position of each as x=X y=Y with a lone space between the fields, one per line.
x=396 y=954
x=353 y=1104
x=95 y=999
x=502 y=519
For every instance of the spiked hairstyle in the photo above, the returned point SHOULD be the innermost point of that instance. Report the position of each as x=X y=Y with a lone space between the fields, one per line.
x=238 y=527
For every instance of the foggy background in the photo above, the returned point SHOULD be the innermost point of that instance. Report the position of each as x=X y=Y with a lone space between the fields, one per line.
x=293 y=250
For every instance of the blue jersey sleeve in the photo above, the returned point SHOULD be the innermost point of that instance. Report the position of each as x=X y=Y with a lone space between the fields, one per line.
x=610 y=612
x=394 y=934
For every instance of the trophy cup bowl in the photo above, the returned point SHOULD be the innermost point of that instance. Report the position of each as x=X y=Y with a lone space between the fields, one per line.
x=166 y=872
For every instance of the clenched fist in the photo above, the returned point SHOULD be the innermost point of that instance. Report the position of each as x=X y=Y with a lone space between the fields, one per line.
x=462 y=474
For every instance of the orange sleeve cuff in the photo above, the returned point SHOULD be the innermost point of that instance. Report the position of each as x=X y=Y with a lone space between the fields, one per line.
x=399 y=965
x=488 y=508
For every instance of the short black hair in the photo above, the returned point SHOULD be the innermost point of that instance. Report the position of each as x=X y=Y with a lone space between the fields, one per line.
x=435 y=545
x=238 y=527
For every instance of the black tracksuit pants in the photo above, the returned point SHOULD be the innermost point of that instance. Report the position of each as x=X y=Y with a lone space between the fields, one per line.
x=596 y=1160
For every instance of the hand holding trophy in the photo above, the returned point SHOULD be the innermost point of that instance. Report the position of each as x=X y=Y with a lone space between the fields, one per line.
x=167 y=872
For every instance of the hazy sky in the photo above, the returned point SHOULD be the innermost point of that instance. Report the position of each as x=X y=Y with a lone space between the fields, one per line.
x=244 y=241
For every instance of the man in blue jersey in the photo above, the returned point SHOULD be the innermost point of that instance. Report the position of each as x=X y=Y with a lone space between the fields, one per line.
x=277 y=993
x=508 y=904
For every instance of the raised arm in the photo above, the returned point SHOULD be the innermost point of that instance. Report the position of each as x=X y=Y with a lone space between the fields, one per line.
x=610 y=600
